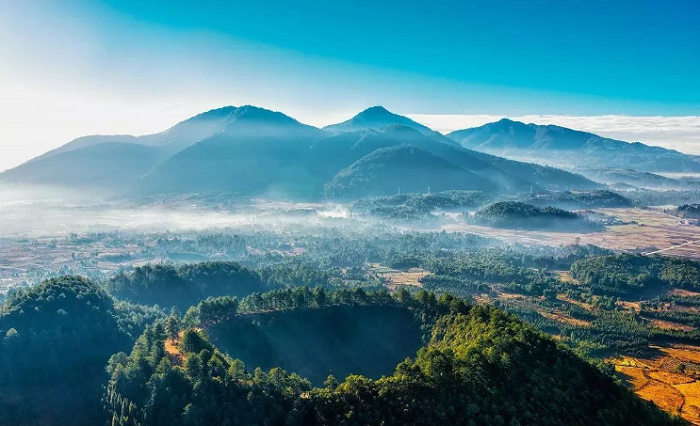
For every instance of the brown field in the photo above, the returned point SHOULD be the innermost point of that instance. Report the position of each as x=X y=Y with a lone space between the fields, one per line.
x=665 y=396
x=668 y=325
x=562 y=317
x=683 y=293
x=691 y=408
x=584 y=305
x=683 y=353
x=565 y=276
x=653 y=230
x=395 y=278
x=670 y=378
x=510 y=296
x=657 y=378
x=635 y=376
x=629 y=306
x=172 y=349
x=482 y=299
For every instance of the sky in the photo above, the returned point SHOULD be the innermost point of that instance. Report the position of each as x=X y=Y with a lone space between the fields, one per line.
x=625 y=69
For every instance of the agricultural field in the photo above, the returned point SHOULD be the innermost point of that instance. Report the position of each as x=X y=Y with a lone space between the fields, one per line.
x=646 y=230
x=394 y=278
x=668 y=376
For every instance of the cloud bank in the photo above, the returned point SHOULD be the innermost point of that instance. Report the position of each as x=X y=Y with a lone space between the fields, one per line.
x=680 y=133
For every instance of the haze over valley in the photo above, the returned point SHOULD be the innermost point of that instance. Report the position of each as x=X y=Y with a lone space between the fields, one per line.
x=349 y=213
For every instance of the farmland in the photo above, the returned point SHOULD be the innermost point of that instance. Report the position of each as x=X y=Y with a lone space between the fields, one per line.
x=666 y=375
x=394 y=278
x=644 y=230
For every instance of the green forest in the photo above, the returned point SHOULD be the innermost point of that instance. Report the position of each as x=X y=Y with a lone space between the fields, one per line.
x=479 y=366
x=518 y=215
x=317 y=338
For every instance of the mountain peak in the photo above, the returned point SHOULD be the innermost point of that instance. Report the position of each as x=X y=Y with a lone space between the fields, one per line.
x=545 y=142
x=376 y=112
x=375 y=118
x=215 y=113
x=251 y=112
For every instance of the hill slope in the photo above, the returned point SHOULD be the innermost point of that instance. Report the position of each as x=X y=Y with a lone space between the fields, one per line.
x=634 y=178
x=412 y=169
x=555 y=145
x=258 y=151
x=486 y=171
x=56 y=340
x=517 y=215
x=184 y=286
x=112 y=161
x=105 y=165
x=479 y=367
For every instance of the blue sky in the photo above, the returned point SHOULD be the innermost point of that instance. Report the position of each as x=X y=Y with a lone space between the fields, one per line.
x=642 y=51
x=82 y=67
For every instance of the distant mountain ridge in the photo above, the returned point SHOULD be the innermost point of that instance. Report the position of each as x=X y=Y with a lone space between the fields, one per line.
x=249 y=150
x=377 y=117
x=554 y=145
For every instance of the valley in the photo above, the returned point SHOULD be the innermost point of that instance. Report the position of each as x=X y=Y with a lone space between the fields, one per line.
x=647 y=230
x=115 y=238
x=386 y=213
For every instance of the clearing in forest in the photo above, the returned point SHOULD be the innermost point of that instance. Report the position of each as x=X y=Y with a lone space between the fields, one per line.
x=393 y=278
x=668 y=376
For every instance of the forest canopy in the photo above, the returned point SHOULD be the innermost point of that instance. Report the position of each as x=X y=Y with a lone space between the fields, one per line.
x=480 y=366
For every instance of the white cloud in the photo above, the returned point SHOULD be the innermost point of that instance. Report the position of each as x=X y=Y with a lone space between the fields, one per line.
x=681 y=133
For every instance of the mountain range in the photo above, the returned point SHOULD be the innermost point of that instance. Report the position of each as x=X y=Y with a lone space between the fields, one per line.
x=255 y=151
x=567 y=148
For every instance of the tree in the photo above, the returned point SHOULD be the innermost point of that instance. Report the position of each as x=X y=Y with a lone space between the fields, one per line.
x=331 y=383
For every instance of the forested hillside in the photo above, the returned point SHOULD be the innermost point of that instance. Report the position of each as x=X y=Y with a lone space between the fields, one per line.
x=573 y=200
x=386 y=171
x=517 y=215
x=185 y=285
x=686 y=211
x=636 y=275
x=56 y=340
x=480 y=367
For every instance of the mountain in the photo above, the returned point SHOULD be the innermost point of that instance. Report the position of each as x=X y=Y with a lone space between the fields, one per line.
x=635 y=178
x=112 y=161
x=107 y=165
x=376 y=117
x=192 y=130
x=175 y=138
x=385 y=171
x=268 y=153
x=336 y=152
x=486 y=172
x=563 y=147
x=253 y=151
x=257 y=151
